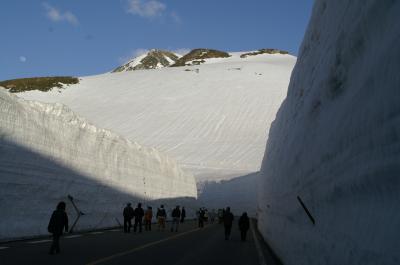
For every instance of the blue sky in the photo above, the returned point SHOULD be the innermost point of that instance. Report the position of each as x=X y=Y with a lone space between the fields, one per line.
x=86 y=37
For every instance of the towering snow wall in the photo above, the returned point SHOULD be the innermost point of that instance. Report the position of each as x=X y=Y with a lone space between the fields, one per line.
x=48 y=153
x=336 y=142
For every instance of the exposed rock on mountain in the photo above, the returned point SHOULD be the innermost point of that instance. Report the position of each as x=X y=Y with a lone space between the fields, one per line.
x=263 y=51
x=38 y=83
x=197 y=56
x=152 y=60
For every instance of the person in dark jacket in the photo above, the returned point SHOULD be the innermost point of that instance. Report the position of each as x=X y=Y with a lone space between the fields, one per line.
x=58 y=221
x=176 y=216
x=139 y=213
x=161 y=217
x=228 y=220
x=183 y=214
x=244 y=225
x=202 y=216
x=128 y=215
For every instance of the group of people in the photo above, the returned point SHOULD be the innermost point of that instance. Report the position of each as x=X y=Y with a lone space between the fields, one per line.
x=59 y=221
x=178 y=216
x=138 y=214
x=227 y=219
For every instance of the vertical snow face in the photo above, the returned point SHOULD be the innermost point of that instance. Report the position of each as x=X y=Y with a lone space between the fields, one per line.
x=336 y=142
x=48 y=153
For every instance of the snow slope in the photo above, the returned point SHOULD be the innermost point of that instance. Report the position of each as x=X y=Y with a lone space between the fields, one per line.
x=47 y=153
x=213 y=118
x=336 y=142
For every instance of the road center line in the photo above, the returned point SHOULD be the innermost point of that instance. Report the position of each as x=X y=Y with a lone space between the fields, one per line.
x=96 y=233
x=4 y=248
x=260 y=253
x=73 y=236
x=141 y=247
x=39 y=241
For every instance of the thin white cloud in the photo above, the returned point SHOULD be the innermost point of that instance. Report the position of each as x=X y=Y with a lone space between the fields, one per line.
x=133 y=54
x=175 y=17
x=139 y=52
x=57 y=16
x=182 y=51
x=22 y=59
x=146 y=8
x=151 y=9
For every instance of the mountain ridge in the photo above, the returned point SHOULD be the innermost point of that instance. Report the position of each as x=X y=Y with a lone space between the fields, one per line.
x=156 y=58
x=153 y=59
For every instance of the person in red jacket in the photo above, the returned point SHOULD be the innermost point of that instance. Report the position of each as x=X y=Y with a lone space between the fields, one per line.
x=148 y=215
x=57 y=223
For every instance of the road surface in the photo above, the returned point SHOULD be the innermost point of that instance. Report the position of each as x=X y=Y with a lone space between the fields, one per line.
x=190 y=245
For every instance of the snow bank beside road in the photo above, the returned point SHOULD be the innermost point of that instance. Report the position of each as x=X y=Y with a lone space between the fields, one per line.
x=47 y=153
x=336 y=141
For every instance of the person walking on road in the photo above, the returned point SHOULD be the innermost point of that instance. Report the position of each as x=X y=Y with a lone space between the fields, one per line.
x=228 y=220
x=202 y=217
x=183 y=214
x=148 y=215
x=128 y=215
x=220 y=216
x=161 y=216
x=244 y=225
x=139 y=213
x=212 y=215
x=176 y=216
x=57 y=223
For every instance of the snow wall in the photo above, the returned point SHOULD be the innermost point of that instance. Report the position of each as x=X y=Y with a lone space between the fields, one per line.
x=48 y=153
x=336 y=142
x=240 y=194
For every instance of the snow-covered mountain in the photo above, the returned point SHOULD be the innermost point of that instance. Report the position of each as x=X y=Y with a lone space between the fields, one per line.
x=213 y=118
x=335 y=144
x=47 y=153
x=154 y=59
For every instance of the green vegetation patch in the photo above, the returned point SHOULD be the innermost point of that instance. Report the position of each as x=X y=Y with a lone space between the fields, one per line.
x=38 y=83
x=198 y=56
x=263 y=51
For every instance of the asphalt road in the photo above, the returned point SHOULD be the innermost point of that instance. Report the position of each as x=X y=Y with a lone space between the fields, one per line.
x=190 y=245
